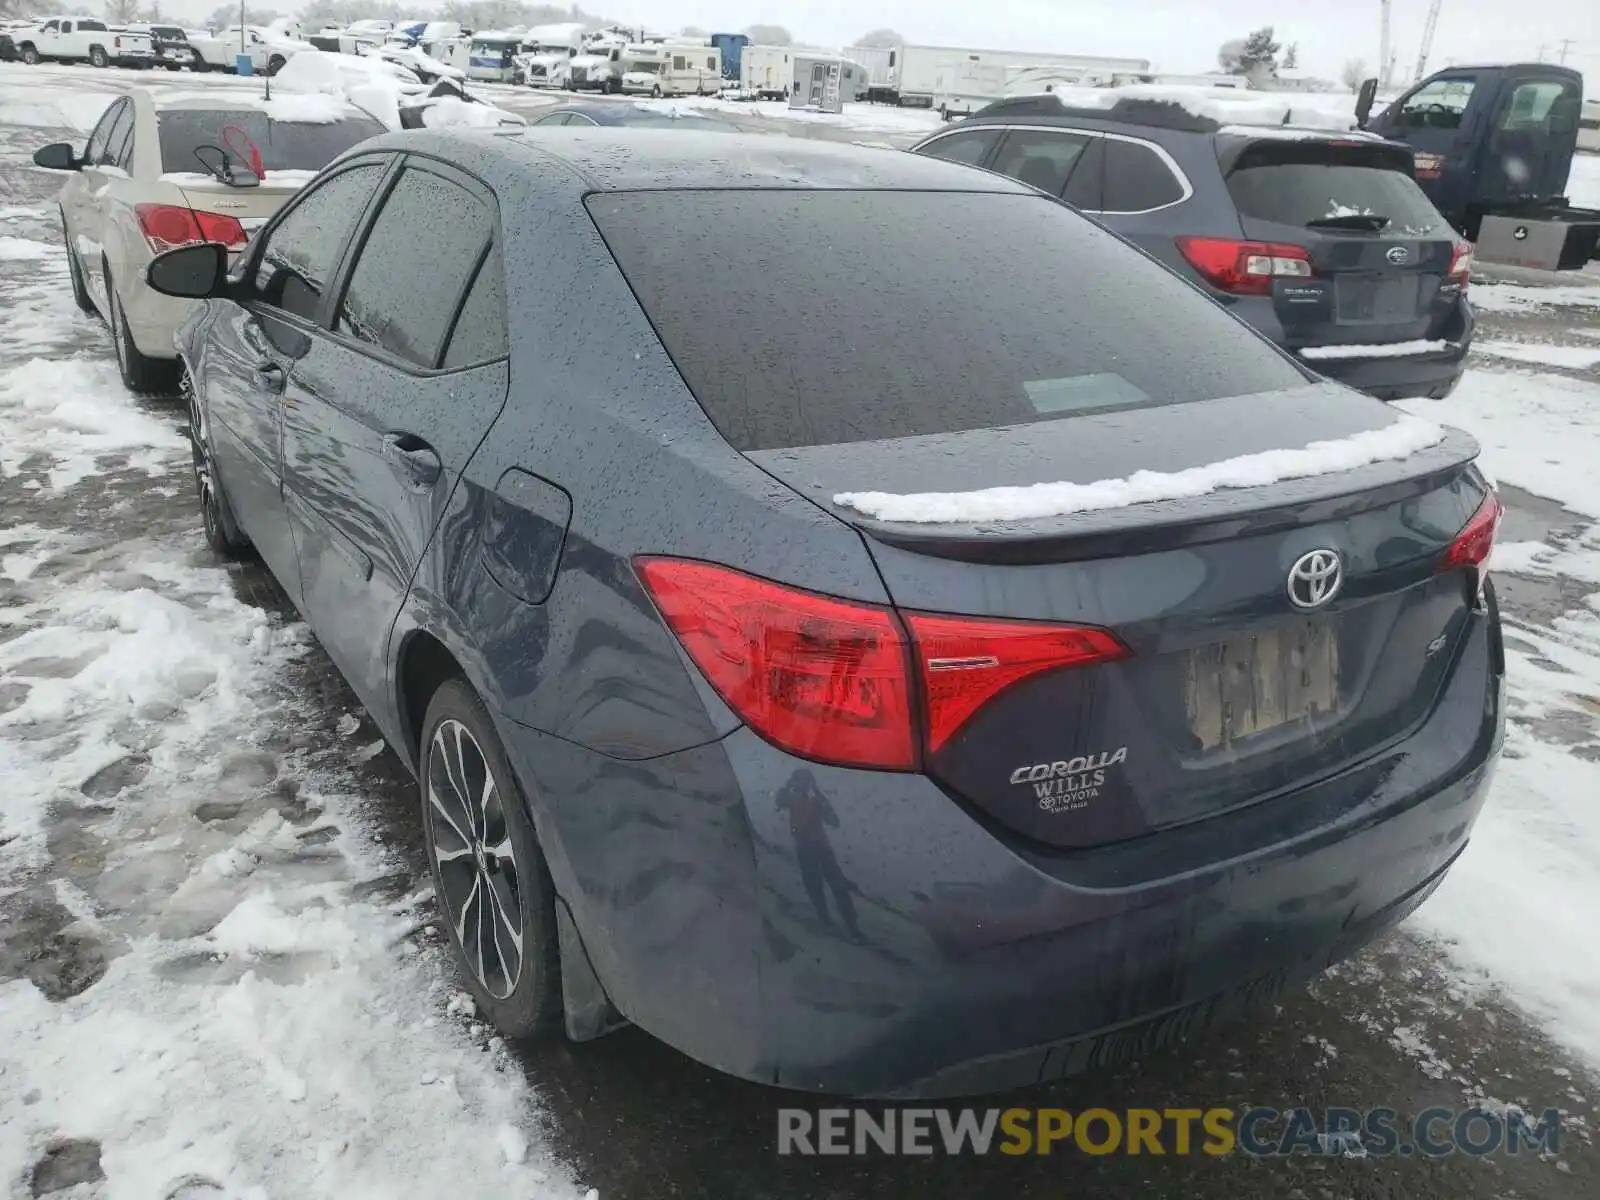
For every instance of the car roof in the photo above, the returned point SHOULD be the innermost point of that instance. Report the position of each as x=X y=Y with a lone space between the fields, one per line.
x=624 y=158
x=617 y=113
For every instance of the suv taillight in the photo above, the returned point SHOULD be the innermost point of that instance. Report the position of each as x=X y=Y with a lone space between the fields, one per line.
x=1461 y=264
x=166 y=226
x=836 y=680
x=1245 y=268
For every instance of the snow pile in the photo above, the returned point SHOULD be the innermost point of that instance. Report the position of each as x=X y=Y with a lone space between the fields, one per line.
x=383 y=88
x=15 y=249
x=1231 y=106
x=1538 y=432
x=1513 y=298
x=1577 y=358
x=73 y=415
x=1376 y=350
x=1400 y=439
x=410 y=56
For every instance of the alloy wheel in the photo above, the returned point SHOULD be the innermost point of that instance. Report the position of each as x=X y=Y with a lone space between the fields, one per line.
x=480 y=883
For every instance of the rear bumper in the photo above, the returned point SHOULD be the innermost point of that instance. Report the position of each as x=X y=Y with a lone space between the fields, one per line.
x=1429 y=375
x=898 y=947
x=153 y=319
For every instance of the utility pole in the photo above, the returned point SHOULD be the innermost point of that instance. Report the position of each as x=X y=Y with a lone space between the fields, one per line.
x=1427 y=37
x=1566 y=44
x=1384 y=66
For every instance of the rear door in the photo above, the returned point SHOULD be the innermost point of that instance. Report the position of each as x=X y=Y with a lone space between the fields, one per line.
x=389 y=404
x=1532 y=138
x=1380 y=253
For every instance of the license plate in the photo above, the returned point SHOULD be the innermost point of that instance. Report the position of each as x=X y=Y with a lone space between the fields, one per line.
x=1260 y=682
x=1376 y=301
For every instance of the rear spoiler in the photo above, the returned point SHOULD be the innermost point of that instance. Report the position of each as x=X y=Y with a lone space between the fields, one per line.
x=1239 y=147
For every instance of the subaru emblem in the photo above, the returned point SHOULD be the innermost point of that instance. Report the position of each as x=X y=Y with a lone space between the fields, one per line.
x=1315 y=579
x=1398 y=255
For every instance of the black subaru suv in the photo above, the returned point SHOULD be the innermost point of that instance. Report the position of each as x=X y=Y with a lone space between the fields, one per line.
x=1320 y=240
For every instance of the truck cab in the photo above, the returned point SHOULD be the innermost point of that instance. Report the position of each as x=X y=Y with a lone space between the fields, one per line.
x=1490 y=139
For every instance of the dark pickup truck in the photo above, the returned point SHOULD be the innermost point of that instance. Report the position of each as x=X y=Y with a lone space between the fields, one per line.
x=1493 y=147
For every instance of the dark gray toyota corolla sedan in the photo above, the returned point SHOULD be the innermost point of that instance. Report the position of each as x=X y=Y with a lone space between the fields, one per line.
x=849 y=615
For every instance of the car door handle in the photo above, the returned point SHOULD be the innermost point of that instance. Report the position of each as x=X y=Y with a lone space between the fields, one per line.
x=416 y=461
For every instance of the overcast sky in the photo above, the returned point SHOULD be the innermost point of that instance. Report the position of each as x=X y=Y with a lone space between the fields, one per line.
x=1175 y=35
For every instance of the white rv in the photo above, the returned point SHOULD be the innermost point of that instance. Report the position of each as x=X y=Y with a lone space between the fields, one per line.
x=491 y=54
x=671 y=69
x=917 y=72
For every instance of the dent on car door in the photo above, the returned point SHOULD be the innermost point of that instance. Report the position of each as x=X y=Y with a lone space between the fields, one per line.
x=254 y=347
x=390 y=408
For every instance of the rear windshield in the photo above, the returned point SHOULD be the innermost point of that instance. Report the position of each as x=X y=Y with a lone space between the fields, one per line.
x=1314 y=190
x=284 y=145
x=804 y=318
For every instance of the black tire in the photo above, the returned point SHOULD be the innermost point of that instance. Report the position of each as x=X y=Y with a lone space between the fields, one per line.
x=80 y=291
x=275 y=64
x=141 y=374
x=30 y=55
x=222 y=532
x=98 y=57
x=498 y=851
x=656 y=91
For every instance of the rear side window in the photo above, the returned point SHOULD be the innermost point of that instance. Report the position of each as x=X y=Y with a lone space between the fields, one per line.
x=1540 y=106
x=1041 y=159
x=429 y=230
x=814 y=317
x=284 y=145
x=1306 y=185
x=1137 y=179
x=480 y=332
x=970 y=146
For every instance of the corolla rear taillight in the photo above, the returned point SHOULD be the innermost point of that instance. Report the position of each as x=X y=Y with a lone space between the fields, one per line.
x=1475 y=542
x=839 y=681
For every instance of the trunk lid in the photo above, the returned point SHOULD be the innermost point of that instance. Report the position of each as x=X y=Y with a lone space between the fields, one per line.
x=1380 y=253
x=1230 y=693
x=251 y=206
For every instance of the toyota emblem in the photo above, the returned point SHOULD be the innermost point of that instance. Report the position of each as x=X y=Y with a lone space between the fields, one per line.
x=1315 y=579
x=1398 y=255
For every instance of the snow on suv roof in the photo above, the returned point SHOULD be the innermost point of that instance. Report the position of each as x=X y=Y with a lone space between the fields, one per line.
x=305 y=108
x=1197 y=109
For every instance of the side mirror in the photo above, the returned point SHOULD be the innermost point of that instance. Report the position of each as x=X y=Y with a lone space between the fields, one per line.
x=1364 y=99
x=196 y=272
x=58 y=156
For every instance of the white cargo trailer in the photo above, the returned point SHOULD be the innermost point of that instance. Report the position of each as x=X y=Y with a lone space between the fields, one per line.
x=916 y=71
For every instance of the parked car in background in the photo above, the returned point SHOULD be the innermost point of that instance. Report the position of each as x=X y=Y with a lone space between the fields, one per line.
x=658 y=116
x=163 y=170
x=83 y=39
x=1321 y=240
x=722 y=725
x=268 y=48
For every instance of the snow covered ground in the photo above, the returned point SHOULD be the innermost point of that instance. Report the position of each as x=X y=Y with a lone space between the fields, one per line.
x=210 y=974
x=1583 y=185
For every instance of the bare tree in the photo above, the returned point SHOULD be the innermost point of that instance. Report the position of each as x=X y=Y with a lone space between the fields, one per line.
x=1229 y=55
x=769 y=35
x=880 y=39
x=694 y=31
x=228 y=15
x=1354 y=73
x=120 y=12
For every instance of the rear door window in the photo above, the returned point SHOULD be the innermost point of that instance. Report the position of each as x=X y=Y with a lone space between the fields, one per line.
x=414 y=267
x=843 y=329
x=971 y=146
x=284 y=145
x=1301 y=183
x=479 y=335
x=1539 y=106
x=1041 y=158
x=1137 y=179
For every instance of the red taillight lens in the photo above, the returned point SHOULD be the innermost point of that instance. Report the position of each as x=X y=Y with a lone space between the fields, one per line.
x=1461 y=263
x=1245 y=268
x=168 y=225
x=823 y=678
x=830 y=679
x=964 y=662
x=1476 y=539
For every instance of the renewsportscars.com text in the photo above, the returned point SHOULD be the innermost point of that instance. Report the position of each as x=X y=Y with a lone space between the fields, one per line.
x=1257 y=1131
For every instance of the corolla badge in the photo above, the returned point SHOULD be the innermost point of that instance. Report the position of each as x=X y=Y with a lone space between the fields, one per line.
x=1315 y=578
